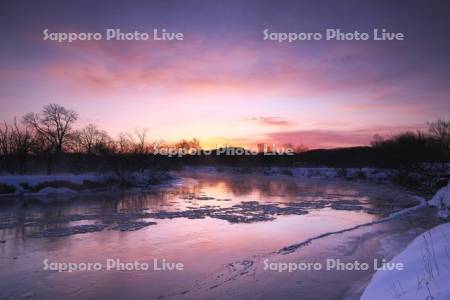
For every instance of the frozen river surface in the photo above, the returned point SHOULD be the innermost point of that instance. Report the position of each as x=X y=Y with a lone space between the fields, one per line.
x=219 y=232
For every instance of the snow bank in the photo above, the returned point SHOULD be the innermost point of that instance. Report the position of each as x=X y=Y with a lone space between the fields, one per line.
x=35 y=185
x=23 y=183
x=48 y=191
x=426 y=271
x=371 y=174
x=442 y=201
x=426 y=260
x=16 y=180
x=377 y=175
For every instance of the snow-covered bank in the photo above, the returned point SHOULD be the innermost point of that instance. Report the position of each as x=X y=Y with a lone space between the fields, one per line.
x=442 y=201
x=47 y=185
x=17 y=180
x=426 y=263
x=426 y=271
x=71 y=184
x=371 y=174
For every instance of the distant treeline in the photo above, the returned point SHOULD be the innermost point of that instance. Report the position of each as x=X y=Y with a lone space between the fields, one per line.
x=48 y=142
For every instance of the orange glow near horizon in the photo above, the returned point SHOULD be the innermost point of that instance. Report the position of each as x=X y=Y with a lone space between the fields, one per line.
x=240 y=93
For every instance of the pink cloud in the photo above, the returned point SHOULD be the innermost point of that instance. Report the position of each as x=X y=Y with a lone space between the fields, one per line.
x=324 y=138
x=272 y=121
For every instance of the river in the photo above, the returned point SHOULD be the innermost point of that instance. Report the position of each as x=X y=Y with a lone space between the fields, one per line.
x=221 y=230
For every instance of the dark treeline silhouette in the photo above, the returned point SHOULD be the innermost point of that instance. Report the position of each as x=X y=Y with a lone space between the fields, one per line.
x=49 y=142
x=417 y=157
x=408 y=149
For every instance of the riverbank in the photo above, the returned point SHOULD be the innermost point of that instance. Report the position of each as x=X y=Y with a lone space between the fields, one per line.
x=426 y=263
x=425 y=273
x=60 y=184
x=64 y=185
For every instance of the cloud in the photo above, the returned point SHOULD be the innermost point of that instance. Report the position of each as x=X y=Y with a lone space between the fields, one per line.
x=203 y=80
x=348 y=77
x=271 y=121
x=324 y=138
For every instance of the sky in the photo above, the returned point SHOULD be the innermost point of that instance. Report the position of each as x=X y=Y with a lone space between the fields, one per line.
x=225 y=84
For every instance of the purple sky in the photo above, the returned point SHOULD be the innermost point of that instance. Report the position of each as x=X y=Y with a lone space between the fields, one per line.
x=223 y=83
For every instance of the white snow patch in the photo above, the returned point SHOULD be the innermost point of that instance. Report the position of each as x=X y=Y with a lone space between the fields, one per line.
x=426 y=271
x=138 y=179
x=441 y=200
x=422 y=203
x=371 y=174
x=32 y=180
x=48 y=191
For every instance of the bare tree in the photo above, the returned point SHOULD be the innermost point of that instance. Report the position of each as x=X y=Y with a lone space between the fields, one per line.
x=4 y=139
x=91 y=138
x=187 y=145
x=5 y=147
x=54 y=123
x=300 y=148
x=141 y=134
x=440 y=132
x=15 y=145
x=21 y=139
x=124 y=143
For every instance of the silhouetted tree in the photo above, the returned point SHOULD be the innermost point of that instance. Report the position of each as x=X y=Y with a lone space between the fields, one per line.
x=187 y=145
x=440 y=133
x=141 y=134
x=15 y=145
x=91 y=139
x=54 y=123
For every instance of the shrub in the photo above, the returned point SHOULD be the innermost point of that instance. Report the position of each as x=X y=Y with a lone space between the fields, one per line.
x=7 y=189
x=287 y=172
x=342 y=172
x=24 y=185
x=89 y=184
x=54 y=184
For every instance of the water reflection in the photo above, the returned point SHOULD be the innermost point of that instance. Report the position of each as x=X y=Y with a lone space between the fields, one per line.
x=25 y=216
x=203 y=244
